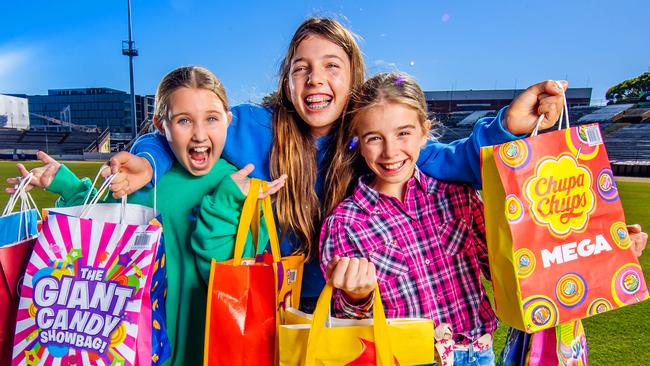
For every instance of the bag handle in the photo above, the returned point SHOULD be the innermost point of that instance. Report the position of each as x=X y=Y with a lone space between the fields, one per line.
x=383 y=350
x=26 y=203
x=250 y=219
x=104 y=189
x=564 y=113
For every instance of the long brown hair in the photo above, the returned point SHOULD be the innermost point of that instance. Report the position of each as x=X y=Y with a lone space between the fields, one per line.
x=347 y=164
x=294 y=151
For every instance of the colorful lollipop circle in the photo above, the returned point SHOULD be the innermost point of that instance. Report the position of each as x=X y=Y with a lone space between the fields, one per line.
x=540 y=312
x=606 y=186
x=599 y=305
x=571 y=290
x=514 y=209
x=576 y=140
x=525 y=260
x=618 y=230
x=118 y=336
x=515 y=154
x=628 y=286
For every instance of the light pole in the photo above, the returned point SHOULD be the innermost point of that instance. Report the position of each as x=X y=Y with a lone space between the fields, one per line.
x=131 y=51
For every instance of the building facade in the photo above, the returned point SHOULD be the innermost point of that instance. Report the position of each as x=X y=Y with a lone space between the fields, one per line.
x=14 y=112
x=92 y=107
x=483 y=100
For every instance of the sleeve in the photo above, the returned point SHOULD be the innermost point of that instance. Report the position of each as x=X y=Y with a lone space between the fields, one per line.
x=155 y=148
x=72 y=191
x=335 y=240
x=478 y=233
x=460 y=160
x=216 y=227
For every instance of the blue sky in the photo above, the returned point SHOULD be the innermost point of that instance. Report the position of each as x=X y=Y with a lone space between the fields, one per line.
x=444 y=44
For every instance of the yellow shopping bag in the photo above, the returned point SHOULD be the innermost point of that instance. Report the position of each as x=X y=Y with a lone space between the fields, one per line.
x=373 y=341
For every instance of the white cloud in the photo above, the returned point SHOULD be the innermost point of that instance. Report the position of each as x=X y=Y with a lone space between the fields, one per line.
x=383 y=65
x=13 y=60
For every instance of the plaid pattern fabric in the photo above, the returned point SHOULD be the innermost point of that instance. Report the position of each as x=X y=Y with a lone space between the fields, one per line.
x=429 y=252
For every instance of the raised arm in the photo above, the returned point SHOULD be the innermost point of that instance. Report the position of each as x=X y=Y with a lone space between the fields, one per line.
x=460 y=159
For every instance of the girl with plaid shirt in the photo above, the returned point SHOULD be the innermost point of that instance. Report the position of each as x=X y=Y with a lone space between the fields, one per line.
x=421 y=239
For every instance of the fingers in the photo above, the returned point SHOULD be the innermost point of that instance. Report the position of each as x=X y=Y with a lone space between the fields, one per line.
x=331 y=265
x=244 y=172
x=46 y=159
x=551 y=108
x=639 y=239
x=356 y=276
x=634 y=228
x=23 y=171
x=550 y=87
x=273 y=187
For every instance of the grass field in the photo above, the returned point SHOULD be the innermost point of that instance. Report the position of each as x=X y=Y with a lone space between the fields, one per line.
x=620 y=337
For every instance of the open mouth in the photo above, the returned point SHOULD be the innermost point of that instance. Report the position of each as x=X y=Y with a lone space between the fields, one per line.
x=393 y=168
x=199 y=156
x=317 y=102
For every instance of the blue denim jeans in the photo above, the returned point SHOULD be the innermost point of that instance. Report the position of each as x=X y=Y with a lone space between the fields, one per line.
x=474 y=358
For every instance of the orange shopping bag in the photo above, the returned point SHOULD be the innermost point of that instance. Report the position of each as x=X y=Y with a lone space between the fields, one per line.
x=557 y=241
x=246 y=295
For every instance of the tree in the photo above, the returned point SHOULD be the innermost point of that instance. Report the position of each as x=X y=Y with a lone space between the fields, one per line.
x=270 y=98
x=629 y=90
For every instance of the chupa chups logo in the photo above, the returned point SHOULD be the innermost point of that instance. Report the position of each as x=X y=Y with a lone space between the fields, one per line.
x=560 y=195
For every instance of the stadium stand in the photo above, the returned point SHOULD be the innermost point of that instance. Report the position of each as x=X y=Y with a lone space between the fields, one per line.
x=27 y=142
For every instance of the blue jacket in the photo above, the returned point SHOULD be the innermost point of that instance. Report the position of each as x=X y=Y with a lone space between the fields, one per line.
x=250 y=138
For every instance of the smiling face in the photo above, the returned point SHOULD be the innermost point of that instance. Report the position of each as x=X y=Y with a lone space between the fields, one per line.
x=319 y=82
x=195 y=128
x=390 y=138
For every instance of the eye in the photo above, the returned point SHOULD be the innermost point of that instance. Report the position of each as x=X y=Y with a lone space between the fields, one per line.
x=183 y=121
x=213 y=119
x=298 y=69
x=332 y=65
x=373 y=139
x=404 y=133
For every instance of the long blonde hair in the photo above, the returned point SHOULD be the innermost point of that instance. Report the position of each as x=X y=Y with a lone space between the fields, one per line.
x=347 y=166
x=294 y=151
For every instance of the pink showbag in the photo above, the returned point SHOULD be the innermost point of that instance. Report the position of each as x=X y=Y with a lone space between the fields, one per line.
x=85 y=296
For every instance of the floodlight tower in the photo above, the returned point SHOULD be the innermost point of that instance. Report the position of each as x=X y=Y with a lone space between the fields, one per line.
x=128 y=49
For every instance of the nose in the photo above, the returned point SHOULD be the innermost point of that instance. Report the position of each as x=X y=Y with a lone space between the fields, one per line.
x=390 y=148
x=316 y=76
x=199 y=133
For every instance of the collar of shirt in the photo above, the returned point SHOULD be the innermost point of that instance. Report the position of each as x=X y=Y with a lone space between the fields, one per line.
x=367 y=198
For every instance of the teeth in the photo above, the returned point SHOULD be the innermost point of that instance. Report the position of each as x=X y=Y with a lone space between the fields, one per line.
x=318 y=98
x=200 y=149
x=394 y=166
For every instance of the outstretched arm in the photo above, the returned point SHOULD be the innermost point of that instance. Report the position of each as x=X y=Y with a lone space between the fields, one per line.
x=460 y=160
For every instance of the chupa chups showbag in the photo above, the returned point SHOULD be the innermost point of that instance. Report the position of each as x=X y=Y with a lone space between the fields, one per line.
x=85 y=299
x=558 y=245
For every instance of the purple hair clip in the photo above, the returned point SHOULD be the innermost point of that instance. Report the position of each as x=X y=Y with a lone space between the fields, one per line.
x=353 y=143
x=399 y=80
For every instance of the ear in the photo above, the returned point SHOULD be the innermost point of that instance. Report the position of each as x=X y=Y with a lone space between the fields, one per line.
x=229 y=114
x=159 y=125
x=427 y=131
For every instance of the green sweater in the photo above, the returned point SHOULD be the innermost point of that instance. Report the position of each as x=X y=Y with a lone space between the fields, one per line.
x=214 y=201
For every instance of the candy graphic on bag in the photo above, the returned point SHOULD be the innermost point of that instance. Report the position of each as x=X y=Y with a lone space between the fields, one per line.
x=620 y=235
x=525 y=259
x=598 y=306
x=571 y=290
x=541 y=311
x=606 y=186
x=514 y=209
x=515 y=154
x=627 y=286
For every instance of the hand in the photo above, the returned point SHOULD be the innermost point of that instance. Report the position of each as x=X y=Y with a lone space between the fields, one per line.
x=356 y=277
x=544 y=98
x=42 y=175
x=243 y=182
x=131 y=173
x=639 y=239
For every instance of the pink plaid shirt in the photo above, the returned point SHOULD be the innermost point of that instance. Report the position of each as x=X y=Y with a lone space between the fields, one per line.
x=429 y=252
